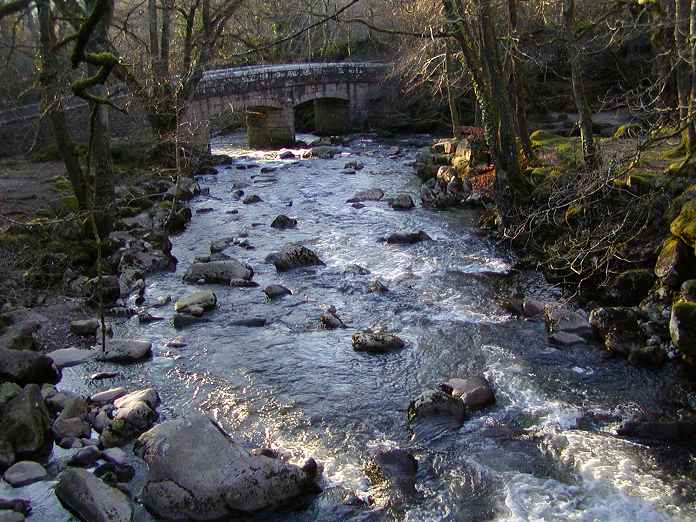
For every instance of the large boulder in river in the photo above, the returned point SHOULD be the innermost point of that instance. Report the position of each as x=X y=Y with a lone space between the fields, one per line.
x=393 y=468
x=222 y=272
x=436 y=403
x=292 y=256
x=217 y=479
x=676 y=262
x=90 y=499
x=24 y=367
x=402 y=202
x=475 y=392
x=376 y=342
x=26 y=423
x=283 y=222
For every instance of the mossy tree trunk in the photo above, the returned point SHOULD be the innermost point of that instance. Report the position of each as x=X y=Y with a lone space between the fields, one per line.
x=691 y=130
x=517 y=82
x=682 y=12
x=50 y=70
x=589 y=149
x=451 y=99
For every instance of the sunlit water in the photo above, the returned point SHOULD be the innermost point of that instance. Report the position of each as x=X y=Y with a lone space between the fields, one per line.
x=547 y=450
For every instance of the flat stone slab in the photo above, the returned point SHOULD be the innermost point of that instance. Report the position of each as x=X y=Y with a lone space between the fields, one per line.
x=24 y=473
x=67 y=357
x=108 y=396
x=123 y=351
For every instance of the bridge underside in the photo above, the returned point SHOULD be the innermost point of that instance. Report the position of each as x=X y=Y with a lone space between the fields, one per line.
x=269 y=116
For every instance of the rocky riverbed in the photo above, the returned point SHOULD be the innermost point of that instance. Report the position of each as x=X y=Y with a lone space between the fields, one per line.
x=354 y=358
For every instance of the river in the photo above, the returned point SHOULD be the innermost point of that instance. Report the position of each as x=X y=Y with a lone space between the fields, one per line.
x=547 y=449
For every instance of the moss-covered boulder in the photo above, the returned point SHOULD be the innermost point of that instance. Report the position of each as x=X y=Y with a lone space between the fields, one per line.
x=630 y=287
x=676 y=262
x=688 y=290
x=682 y=329
x=684 y=226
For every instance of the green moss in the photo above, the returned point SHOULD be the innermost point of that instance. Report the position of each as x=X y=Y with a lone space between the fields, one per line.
x=627 y=130
x=569 y=154
x=684 y=226
x=542 y=138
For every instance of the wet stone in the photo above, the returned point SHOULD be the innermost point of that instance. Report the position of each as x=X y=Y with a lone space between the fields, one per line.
x=24 y=473
x=276 y=291
x=283 y=222
x=376 y=342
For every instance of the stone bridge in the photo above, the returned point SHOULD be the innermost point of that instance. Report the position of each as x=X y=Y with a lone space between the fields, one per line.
x=338 y=94
x=264 y=98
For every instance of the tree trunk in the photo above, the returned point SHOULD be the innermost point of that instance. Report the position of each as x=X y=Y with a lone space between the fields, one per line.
x=453 y=106
x=691 y=130
x=100 y=140
x=516 y=88
x=154 y=38
x=508 y=175
x=589 y=151
x=52 y=101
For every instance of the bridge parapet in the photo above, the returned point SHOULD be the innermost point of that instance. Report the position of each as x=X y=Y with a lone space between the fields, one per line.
x=239 y=81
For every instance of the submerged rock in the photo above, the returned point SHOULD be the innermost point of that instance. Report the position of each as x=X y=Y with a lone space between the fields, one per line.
x=283 y=222
x=276 y=291
x=292 y=256
x=24 y=473
x=90 y=499
x=393 y=468
x=215 y=480
x=220 y=272
x=376 y=342
x=251 y=199
x=402 y=202
x=330 y=320
x=407 y=238
x=679 y=430
x=367 y=195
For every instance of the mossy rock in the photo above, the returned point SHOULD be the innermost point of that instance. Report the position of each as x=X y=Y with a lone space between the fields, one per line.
x=569 y=154
x=684 y=226
x=645 y=182
x=543 y=138
x=675 y=263
x=630 y=287
x=688 y=290
x=682 y=329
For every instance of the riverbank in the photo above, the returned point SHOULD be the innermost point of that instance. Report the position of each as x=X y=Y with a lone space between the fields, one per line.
x=264 y=367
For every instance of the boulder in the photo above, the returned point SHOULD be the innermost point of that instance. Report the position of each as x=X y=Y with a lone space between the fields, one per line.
x=283 y=222
x=85 y=457
x=436 y=403
x=67 y=427
x=135 y=413
x=204 y=300
x=407 y=238
x=682 y=328
x=21 y=335
x=251 y=199
x=215 y=480
x=276 y=291
x=376 y=342
x=90 y=499
x=688 y=290
x=8 y=391
x=115 y=456
x=475 y=392
x=559 y=319
x=402 y=202
x=669 y=430
x=85 y=328
x=292 y=256
x=676 y=262
x=26 y=423
x=330 y=320
x=630 y=287
x=124 y=351
x=114 y=473
x=367 y=195
x=24 y=473
x=24 y=366
x=221 y=272
x=66 y=357
x=184 y=190
x=566 y=339
x=108 y=396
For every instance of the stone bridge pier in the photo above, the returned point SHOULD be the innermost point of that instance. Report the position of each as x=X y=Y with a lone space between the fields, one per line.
x=265 y=99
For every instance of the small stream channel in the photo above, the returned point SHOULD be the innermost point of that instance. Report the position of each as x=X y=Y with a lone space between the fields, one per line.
x=547 y=449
